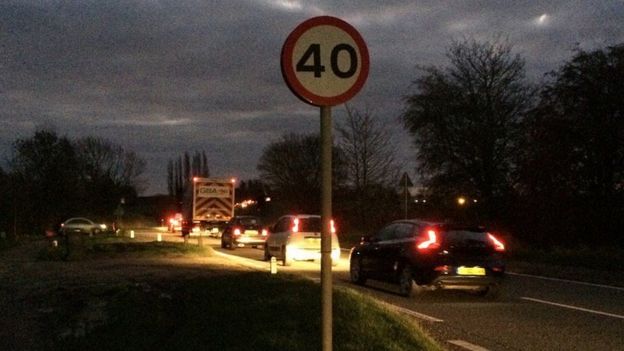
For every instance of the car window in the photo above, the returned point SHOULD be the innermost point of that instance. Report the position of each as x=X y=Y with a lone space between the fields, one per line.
x=386 y=233
x=282 y=225
x=404 y=230
x=311 y=224
x=248 y=221
x=466 y=238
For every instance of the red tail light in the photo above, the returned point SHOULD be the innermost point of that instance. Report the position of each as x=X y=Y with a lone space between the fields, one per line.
x=265 y=232
x=333 y=226
x=498 y=245
x=295 y=227
x=237 y=231
x=431 y=241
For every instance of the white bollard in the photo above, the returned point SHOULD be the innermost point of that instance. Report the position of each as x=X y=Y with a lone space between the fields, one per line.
x=273 y=265
x=132 y=234
x=159 y=237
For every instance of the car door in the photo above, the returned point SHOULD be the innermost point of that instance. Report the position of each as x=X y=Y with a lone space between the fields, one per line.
x=392 y=251
x=373 y=261
x=278 y=235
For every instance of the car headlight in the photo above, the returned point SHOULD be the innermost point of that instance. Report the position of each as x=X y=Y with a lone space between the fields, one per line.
x=102 y=226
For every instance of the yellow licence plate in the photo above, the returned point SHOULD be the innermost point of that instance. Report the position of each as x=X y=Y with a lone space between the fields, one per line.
x=470 y=270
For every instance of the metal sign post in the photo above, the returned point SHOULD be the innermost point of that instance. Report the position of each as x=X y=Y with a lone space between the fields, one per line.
x=325 y=63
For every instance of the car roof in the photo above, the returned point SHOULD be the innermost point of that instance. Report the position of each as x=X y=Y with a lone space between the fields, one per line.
x=75 y=218
x=418 y=221
x=302 y=216
x=447 y=225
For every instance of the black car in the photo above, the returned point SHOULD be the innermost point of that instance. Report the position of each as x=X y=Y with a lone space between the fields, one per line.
x=244 y=231
x=418 y=254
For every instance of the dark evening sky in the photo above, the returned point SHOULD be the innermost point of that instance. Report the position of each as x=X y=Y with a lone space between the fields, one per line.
x=163 y=77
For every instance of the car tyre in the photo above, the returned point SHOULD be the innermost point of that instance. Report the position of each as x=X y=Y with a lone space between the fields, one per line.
x=355 y=271
x=287 y=260
x=223 y=244
x=267 y=255
x=407 y=286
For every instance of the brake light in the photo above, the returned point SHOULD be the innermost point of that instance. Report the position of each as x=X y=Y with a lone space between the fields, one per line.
x=431 y=242
x=498 y=245
x=333 y=227
x=265 y=232
x=237 y=231
x=295 y=227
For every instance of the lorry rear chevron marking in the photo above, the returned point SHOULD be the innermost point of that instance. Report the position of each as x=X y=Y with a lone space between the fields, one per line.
x=213 y=199
x=206 y=208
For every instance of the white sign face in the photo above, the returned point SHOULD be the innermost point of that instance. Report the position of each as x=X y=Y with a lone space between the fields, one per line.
x=214 y=191
x=325 y=61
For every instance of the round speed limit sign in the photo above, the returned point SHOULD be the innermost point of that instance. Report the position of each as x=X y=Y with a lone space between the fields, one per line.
x=325 y=61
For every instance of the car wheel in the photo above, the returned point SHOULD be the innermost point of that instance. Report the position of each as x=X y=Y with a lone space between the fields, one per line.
x=287 y=260
x=223 y=244
x=355 y=271
x=406 y=282
x=267 y=255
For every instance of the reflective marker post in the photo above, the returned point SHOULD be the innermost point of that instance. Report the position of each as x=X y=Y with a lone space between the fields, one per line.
x=326 y=237
x=325 y=63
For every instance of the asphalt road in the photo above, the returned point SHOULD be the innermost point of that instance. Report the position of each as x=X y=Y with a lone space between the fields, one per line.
x=534 y=313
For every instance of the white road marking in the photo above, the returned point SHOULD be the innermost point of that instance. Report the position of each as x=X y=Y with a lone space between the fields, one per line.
x=574 y=307
x=411 y=313
x=468 y=346
x=567 y=281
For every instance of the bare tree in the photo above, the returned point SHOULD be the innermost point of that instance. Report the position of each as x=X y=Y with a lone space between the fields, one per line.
x=183 y=169
x=368 y=150
x=102 y=159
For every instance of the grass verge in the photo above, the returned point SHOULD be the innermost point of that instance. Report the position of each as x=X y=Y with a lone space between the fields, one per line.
x=243 y=311
x=232 y=310
x=597 y=265
x=81 y=247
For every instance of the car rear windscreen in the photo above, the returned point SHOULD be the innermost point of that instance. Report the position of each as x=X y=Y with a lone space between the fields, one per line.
x=249 y=221
x=466 y=239
x=312 y=224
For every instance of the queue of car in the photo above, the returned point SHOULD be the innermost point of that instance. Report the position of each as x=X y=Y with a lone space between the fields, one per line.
x=414 y=254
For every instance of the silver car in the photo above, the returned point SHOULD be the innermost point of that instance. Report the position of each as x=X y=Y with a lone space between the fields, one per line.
x=82 y=225
x=298 y=238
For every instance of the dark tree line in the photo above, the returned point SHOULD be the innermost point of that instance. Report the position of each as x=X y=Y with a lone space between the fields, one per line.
x=545 y=162
x=181 y=171
x=51 y=178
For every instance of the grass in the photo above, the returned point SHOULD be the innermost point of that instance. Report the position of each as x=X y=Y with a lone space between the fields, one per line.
x=81 y=247
x=595 y=265
x=235 y=310
x=246 y=311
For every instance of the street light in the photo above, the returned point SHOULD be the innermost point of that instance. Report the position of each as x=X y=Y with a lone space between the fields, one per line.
x=461 y=201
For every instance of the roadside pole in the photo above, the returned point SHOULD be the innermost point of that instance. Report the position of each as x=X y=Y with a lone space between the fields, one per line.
x=325 y=63
x=326 y=237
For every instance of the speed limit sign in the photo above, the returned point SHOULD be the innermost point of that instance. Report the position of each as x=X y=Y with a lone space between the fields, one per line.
x=325 y=61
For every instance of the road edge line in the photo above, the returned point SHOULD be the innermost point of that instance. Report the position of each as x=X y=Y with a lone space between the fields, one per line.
x=567 y=281
x=582 y=309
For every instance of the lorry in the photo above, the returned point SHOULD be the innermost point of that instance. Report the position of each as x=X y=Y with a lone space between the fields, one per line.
x=208 y=204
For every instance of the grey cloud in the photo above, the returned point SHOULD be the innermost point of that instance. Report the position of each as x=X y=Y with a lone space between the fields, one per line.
x=164 y=77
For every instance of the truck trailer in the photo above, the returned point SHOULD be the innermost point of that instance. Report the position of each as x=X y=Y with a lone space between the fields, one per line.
x=208 y=204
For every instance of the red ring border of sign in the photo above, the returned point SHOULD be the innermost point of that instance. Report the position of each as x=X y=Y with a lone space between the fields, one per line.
x=290 y=77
